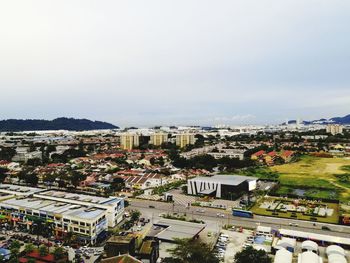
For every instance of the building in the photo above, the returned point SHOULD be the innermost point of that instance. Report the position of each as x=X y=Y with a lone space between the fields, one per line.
x=221 y=186
x=129 y=141
x=87 y=223
x=113 y=206
x=158 y=138
x=118 y=245
x=228 y=154
x=334 y=129
x=168 y=230
x=185 y=139
x=87 y=216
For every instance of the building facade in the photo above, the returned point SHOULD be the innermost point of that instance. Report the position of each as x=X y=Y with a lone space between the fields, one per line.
x=158 y=139
x=185 y=139
x=129 y=141
x=334 y=129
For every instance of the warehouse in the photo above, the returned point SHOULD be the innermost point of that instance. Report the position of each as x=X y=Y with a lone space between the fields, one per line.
x=221 y=186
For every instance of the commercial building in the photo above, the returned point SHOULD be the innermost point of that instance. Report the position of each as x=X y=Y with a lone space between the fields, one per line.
x=88 y=217
x=334 y=129
x=221 y=186
x=185 y=139
x=158 y=138
x=128 y=141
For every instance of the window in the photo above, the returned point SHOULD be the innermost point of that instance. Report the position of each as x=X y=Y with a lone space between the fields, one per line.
x=75 y=222
x=82 y=223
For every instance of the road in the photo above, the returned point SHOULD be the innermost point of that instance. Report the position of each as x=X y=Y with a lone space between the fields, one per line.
x=210 y=216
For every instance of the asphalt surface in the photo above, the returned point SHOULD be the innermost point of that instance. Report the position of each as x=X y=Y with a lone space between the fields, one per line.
x=210 y=215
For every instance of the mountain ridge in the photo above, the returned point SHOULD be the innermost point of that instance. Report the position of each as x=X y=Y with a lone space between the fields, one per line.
x=335 y=120
x=62 y=123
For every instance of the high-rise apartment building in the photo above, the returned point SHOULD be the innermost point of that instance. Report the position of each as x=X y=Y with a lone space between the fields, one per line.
x=128 y=141
x=158 y=138
x=184 y=139
x=334 y=129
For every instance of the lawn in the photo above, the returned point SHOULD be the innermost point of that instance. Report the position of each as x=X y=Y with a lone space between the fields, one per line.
x=318 y=173
x=256 y=209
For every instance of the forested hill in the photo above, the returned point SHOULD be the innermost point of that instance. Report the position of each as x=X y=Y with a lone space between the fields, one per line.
x=71 y=124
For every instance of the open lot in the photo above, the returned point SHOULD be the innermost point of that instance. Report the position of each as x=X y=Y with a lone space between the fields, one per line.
x=316 y=177
x=297 y=209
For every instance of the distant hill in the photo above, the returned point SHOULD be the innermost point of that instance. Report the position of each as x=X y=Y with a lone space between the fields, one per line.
x=70 y=124
x=336 y=120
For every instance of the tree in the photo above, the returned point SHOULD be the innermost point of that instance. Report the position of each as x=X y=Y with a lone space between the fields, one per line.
x=29 y=248
x=117 y=184
x=32 y=179
x=58 y=253
x=14 y=248
x=3 y=174
x=189 y=251
x=43 y=251
x=77 y=177
x=251 y=255
x=135 y=215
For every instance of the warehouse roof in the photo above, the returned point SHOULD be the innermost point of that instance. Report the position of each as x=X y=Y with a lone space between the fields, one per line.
x=314 y=236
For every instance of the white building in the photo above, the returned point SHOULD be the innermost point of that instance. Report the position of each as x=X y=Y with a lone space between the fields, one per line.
x=221 y=186
x=334 y=129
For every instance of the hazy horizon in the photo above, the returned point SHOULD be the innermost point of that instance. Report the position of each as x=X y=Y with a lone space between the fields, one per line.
x=159 y=62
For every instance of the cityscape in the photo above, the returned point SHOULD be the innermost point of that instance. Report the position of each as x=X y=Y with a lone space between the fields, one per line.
x=141 y=194
x=162 y=131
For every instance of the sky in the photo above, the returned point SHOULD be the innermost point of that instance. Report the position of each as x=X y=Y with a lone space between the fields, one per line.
x=162 y=62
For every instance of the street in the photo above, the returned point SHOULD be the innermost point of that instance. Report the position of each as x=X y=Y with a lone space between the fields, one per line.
x=210 y=217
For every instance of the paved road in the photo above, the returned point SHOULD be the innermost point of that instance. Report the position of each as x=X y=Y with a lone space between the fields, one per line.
x=210 y=215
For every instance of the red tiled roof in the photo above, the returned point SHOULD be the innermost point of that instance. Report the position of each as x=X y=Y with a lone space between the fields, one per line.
x=273 y=153
x=287 y=153
x=259 y=153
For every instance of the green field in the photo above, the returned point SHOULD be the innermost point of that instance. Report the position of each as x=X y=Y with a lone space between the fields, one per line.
x=320 y=177
x=256 y=209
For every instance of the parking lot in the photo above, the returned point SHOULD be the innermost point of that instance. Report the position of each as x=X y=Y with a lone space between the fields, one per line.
x=230 y=242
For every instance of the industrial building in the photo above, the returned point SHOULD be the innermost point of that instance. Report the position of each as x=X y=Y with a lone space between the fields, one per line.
x=221 y=186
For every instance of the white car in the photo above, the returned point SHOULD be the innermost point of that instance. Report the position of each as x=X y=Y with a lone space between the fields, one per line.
x=293 y=224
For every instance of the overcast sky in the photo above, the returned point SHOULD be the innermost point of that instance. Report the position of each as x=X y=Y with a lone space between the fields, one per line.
x=175 y=62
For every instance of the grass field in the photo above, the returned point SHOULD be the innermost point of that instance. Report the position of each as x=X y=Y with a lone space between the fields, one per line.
x=330 y=219
x=325 y=175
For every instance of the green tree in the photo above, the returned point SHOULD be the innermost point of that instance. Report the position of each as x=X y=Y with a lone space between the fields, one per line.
x=117 y=184
x=29 y=248
x=14 y=248
x=76 y=177
x=135 y=215
x=251 y=255
x=189 y=251
x=3 y=174
x=58 y=253
x=43 y=251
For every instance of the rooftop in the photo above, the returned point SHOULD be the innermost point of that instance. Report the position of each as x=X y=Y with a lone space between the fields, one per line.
x=225 y=179
x=172 y=229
